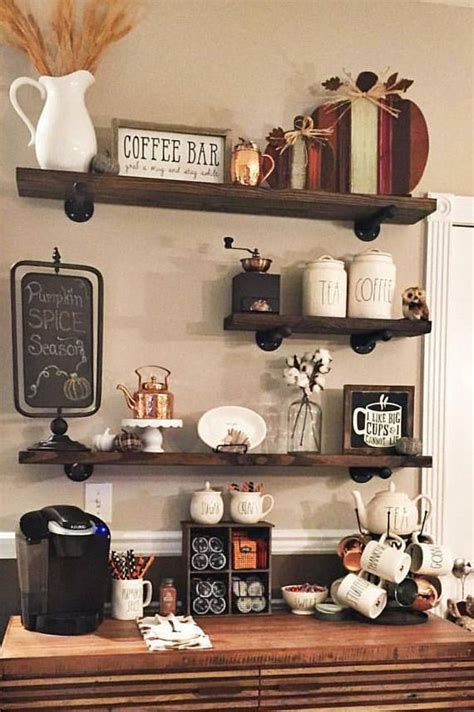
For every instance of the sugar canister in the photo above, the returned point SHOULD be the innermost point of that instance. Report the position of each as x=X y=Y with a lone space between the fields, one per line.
x=372 y=276
x=325 y=287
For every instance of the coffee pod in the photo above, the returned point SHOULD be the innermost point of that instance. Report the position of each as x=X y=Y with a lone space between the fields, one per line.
x=217 y=605
x=429 y=558
x=216 y=544
x=362 y=595
x=385 y=561
x=200 y=544
x=244 y=604
x=200 y=562
x=201 y=606
x=217 y=561
x=429 y=591
x=258 y=604
x=219 y=589
x=203 y=588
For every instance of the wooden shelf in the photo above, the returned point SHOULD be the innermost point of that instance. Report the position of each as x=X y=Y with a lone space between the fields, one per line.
x=325 y=324
x=123 y=190
x=220 y=459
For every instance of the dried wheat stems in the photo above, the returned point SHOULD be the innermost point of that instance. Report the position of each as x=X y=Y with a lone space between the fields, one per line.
x=76 y=36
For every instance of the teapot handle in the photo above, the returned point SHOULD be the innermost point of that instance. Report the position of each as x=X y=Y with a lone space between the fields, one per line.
x=13 y=89
x=162 y=368
x=428 y=500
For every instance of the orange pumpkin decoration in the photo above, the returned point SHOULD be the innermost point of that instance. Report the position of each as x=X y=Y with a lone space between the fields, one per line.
x=76 y=388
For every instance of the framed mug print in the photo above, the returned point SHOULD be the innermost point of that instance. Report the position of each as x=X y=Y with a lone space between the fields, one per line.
x=375 y=417
x=170 y=152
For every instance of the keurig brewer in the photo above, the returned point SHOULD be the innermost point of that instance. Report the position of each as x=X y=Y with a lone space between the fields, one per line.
x=62 y=558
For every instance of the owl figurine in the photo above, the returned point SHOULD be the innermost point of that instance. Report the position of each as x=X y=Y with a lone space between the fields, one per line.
x=414 y=304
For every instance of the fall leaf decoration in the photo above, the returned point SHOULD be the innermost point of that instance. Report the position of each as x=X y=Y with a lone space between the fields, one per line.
x=332 y=84
x=369 y=87
x=76 y=35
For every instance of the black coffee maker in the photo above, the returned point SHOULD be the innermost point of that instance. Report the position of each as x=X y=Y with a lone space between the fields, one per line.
x=62 y=557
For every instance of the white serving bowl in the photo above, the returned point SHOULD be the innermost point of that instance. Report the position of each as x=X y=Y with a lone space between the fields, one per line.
x=302 y=602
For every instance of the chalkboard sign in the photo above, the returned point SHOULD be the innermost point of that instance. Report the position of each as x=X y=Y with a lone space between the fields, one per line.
x=375 y=417
x=57 y=338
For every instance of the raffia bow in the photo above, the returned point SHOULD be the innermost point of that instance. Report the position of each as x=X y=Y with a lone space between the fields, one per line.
x=307 y=131
x=349 y=92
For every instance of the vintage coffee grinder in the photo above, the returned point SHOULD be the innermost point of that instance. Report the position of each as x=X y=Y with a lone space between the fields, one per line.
x=254 y=290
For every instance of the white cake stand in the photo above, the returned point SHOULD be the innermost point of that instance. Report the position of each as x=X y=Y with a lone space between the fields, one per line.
x=151 y=436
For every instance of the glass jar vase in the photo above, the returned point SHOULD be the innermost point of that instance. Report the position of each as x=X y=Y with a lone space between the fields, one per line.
x=304 y=426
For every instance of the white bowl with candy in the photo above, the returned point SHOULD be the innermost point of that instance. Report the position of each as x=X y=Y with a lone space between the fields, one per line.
x=301 y=598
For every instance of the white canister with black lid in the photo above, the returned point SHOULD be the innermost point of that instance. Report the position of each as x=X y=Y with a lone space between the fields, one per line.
x=325 y=287
x=372 y=277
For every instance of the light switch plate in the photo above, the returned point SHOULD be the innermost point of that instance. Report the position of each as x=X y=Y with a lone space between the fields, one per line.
x=98 y=500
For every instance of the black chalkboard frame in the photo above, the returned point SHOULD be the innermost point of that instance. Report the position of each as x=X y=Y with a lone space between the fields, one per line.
x=93 y=275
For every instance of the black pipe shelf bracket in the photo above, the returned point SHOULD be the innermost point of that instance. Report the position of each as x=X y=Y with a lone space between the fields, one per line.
x=365 y=343
x=368 y=229
x=78 y=471
x=271 y=339
x=365 y=474
x=79 y=206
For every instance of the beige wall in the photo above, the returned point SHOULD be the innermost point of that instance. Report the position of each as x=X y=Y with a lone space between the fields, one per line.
x=249 y=65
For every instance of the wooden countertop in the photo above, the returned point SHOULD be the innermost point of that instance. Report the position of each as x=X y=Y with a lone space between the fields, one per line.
x=280 y=639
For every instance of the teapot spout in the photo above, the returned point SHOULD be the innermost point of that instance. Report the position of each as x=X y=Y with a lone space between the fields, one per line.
x=131 y=402
x=360 y=506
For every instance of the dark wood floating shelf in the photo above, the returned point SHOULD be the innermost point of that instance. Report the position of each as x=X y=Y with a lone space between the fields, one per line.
x=223 y=198
x=220 y=459
x=271 y=329
x=325 y=324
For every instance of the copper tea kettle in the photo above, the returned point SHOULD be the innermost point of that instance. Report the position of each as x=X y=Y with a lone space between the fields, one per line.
x=152 y=399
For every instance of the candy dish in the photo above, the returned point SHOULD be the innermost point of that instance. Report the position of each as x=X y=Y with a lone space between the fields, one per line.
x=301 y=598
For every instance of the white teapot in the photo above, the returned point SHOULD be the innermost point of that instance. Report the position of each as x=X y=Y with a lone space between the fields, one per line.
x=207 y=505
x=403 y=511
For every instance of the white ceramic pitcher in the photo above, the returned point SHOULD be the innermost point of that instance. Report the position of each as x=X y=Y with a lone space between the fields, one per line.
x=64 y=137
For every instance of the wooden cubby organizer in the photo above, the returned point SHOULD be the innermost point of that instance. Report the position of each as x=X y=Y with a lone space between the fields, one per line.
x=254 y=567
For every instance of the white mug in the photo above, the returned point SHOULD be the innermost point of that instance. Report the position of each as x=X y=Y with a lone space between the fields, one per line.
x=430 y=559
x=385 y=561
x=127 y=598
x=362 y=595
x=247 y=507
x=381 y=423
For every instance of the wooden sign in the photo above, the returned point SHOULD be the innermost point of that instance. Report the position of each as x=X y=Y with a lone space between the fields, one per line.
x=375 y=417
x=57 y=334
x=170 y=152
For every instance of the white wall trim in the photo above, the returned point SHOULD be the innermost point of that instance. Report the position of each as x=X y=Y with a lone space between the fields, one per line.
x=452 y=211
x=168 y=543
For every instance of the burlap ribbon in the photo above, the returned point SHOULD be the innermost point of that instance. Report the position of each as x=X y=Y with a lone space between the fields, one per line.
x=307 y=131
x=350 y=92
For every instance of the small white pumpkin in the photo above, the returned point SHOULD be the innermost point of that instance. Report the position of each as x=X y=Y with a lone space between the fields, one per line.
x=104 y=442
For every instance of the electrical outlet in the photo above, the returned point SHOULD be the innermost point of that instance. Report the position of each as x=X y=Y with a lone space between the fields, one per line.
x=98 y=500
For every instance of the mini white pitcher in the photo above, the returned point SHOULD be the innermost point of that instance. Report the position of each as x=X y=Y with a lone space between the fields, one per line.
x=64 y=137
x=247 y=507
